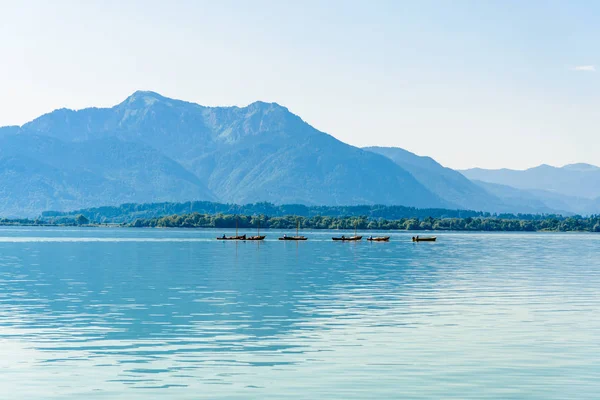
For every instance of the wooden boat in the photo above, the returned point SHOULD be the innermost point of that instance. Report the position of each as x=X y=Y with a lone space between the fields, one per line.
x=297 y=237
x=240 y=237
x=379 y=239
x=258 y=237
x=293 y=238
x=348 y=238
x=354 y=238
x=424 y=239
x=236 y=237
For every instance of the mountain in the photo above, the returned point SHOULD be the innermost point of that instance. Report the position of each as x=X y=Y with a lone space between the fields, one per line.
x=479 y=195
x=151 y=148
x=9 y=130
x=445 y=182
x=541 y=201
x=40 y=173
x=573 y=204
x=576 y=180
x=522 y=200
x=581 y=167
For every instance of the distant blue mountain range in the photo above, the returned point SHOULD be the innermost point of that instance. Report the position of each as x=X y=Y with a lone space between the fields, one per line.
x=150 y=148
x=574 y=188
x=580 y=180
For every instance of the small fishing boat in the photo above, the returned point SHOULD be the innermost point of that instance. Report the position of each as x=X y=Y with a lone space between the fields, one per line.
x=379 y=239
x=293 y=238
x=242 y=237
x=354 y=238
x=424 y=239
x=258 y=236
x=348 y=238
x=236 y=237
x=297 y=237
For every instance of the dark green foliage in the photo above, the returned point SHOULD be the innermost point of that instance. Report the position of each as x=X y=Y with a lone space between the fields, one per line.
x=58 y=221
x=81 y=220
x=491 y=224
x=469 y=221
x=20 y=221
x=131 y=212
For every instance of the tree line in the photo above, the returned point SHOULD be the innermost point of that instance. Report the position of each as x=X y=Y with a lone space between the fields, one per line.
x=289 y=222
x=130 y=212
x=491 y=224
x=75 y=220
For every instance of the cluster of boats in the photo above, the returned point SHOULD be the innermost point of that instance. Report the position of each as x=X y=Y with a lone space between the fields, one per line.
x=342 y=238
x=242 y=237
x=359 y=238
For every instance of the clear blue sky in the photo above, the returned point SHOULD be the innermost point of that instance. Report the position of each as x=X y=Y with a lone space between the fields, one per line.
x=470 y=83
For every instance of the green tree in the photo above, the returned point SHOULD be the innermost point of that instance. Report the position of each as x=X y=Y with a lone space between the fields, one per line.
x=80 y=219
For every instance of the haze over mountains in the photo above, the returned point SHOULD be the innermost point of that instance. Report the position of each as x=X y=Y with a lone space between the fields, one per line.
x=150 y=148
x=574 y=188
x=445 y=182
x=580 y=180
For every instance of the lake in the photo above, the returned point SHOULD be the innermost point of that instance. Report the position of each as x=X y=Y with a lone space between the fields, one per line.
x=142 y=313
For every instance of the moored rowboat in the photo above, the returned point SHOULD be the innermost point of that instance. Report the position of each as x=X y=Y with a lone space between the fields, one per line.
x=292 y=238
x=243 y=237
x=348 y=239
x=379 y=239
x=236 y=237
x=297 y=237
x=255 y=238
x=424 y=239
x=354 y=238
x=258 y=236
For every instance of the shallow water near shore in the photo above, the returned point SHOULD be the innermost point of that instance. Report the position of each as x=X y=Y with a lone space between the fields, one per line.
x=175 y=314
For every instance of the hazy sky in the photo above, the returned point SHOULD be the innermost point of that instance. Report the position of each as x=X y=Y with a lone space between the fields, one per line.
x=470 y=83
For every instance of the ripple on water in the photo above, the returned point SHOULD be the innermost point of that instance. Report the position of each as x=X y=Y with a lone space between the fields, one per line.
x=121 y=313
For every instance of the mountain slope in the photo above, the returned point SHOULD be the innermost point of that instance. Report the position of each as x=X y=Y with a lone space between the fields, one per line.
x=39 y=173
x=9 y=130
x=521 y=200
x=542 y=201
x=255 y=153
x=581 y=167
x=150 y=148
x=578 y=180
x=445 y=182
x=479 y=195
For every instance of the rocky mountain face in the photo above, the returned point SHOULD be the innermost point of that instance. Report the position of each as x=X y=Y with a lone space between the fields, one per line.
x=151 y=148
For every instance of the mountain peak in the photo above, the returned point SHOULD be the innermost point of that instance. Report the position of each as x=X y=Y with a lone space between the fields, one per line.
x=143 y=98
x=542 y=168
x=265 y=106
x=581 y=167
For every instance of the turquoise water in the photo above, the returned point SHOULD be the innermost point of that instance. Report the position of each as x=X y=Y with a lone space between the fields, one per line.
x=174 y=314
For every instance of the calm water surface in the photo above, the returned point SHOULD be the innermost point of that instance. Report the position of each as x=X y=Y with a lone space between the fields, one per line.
x=174 y=314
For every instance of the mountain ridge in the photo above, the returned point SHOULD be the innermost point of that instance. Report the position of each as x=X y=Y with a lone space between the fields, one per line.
x=151 y=148
x=444 y=181
x=578 y=180
x=261 y=152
